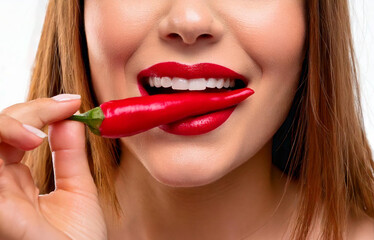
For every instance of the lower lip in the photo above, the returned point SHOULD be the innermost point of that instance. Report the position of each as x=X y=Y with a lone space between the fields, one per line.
x=200 y=124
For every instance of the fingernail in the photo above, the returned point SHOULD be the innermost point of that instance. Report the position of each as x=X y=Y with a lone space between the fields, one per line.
x=66 y=97
x=35 y=131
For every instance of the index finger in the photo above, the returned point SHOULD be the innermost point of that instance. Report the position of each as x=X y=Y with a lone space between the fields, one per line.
x=43 y=111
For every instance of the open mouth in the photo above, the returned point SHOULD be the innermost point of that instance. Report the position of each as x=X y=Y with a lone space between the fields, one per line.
x=173 y=77
x=170 y=85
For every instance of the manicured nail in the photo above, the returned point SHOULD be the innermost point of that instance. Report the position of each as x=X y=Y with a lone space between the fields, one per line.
x=35 y=131
x=66 y=97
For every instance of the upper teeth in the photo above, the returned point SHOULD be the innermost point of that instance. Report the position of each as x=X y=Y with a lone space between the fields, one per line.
x=177 y=83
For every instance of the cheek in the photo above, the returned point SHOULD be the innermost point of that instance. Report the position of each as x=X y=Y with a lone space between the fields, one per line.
x=273 y=37
x=114 y=31
x=272 y=33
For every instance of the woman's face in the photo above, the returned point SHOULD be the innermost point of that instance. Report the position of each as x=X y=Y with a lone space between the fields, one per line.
x=263 y=40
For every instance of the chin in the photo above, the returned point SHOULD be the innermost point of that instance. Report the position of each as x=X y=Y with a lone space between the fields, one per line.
x=186 y=172
x=184 y=180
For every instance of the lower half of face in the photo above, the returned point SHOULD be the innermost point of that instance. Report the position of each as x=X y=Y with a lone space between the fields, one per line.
x=263 y=41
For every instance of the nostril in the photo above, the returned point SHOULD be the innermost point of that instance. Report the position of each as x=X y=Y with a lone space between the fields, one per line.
x=173 y=36
x=176 y=36
x=205 y=36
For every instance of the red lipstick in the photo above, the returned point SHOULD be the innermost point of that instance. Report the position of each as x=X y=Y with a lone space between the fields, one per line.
x=198 y=124
x=201 y=70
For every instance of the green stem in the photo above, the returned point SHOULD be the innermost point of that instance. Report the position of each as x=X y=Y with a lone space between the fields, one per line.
x=92 y=118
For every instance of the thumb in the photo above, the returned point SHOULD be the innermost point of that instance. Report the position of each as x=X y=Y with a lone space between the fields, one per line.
x=70 y=163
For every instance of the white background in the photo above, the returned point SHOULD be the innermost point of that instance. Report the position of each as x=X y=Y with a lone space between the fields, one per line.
x=21 y=22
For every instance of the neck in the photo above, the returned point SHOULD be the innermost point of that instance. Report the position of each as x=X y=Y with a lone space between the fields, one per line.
x=248 y=200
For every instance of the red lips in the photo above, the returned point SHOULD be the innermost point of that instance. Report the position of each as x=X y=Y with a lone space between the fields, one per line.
x=201 y=70
x=194 y=125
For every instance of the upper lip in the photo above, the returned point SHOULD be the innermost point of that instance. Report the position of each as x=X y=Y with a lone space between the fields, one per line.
x=200 y=70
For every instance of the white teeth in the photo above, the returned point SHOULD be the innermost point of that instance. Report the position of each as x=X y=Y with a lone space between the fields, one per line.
x=166 y=82
x=220 y=83
x=212 y=83
x=195 y=84
x=151 y=82
x=179 y=84
x=226 y=83
x=157 y=82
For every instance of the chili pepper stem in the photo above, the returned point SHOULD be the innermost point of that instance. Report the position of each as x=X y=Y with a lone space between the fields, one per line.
x=92 y=119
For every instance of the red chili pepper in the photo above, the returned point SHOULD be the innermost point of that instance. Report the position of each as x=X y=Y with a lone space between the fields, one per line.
x=126 y=117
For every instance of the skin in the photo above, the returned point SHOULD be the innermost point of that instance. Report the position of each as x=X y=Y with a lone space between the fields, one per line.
x=261 y=40
x=61 y=214
x=169 y=187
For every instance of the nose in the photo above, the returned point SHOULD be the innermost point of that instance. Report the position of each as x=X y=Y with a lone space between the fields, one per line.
x=190 y=21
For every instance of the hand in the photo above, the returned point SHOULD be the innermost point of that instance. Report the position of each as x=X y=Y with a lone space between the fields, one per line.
x=72 y=211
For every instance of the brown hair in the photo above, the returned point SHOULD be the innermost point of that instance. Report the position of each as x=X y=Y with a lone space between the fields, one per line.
x=328 y=152
x=61 y=66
